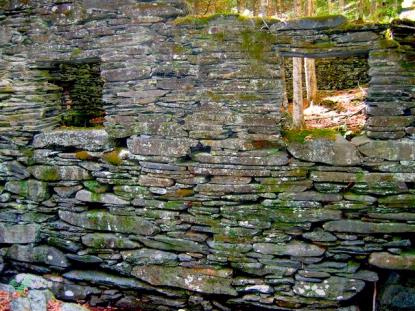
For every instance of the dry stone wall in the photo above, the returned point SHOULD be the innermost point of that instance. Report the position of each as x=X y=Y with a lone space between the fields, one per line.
x=190 y=197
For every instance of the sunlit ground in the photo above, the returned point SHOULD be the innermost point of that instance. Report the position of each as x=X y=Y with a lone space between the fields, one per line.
x=344 y=109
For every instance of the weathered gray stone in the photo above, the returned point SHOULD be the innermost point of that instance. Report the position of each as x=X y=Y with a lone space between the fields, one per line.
x=106 y=198
x=325 y=150
x=54 y=173
x=19 y=234
x=202 y=280
x=30 y=189
x=275 y=158
x=146 y=256
x=38 y=254
x=295 y=248
x=32 y=281
x=178 y=147
x=39 y=299
x=108 y=240
x=333 y=288
x=66 y=306
x=83 y=139
x=104 y=221
x=102 y=278
x=357 y=226
x=173 y=244
x=310 y=196
x=319 y=236
x=392 y=150
x=384 y=260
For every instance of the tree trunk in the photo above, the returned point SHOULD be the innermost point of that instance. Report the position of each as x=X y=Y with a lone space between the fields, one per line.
x=373 y=7
x=342 y=5
x=310 y=65
x=330 y=6
x=310 y=80
x=309 y=9
x=284 y=83
x=298 y=115
x=263 y=7
x=297 y=8
x=360 y=9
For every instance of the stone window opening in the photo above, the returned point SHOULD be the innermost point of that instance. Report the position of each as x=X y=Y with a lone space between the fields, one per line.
x=342 y=84
x=81 y=93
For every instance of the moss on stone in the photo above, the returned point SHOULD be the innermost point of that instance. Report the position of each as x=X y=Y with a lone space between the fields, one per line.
x=256 y=43
x=303 y=135
x=75 y=52
x=83 y=155
x=95 y=186
x=184 y=192
x=113 y=157
x=265 y=144
x=200 y=20
x=50 y=173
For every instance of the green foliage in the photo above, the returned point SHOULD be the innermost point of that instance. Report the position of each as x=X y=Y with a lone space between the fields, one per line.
x=384 y=11
x=82 y=84
x=23 y=285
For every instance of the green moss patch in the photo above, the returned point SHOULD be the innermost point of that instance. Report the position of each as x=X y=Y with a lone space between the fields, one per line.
x=303 y=135
x=113 y=157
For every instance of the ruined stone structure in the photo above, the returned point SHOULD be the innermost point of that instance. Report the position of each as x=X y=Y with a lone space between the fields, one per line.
x=190 y=196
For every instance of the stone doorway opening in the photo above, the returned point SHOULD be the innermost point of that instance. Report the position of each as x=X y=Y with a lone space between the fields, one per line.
x=339 y=102
x=81 y=92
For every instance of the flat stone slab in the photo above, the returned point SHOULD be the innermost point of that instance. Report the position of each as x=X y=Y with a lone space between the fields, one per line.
x=18 y=234
x=201 y=280
x=385 y=260
x=392 y=150
x=39 y=254
x=55 y=173
x=333 y=288
x=107 y=198
x=108 y=240
x=297 y=249
x=357 y=226
x=175 y=147
x=31 y=189
x=103 y=278
x=104 y=221
x=336 y=151
x=92 y=140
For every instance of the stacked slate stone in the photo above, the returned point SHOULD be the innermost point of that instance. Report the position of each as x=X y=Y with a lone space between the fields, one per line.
x=189 y=197
x=391 y=95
